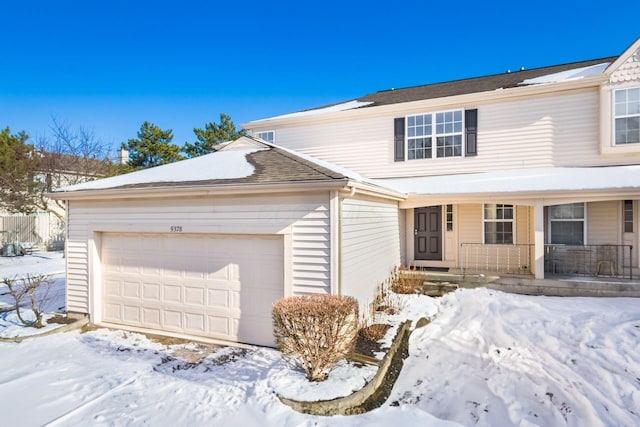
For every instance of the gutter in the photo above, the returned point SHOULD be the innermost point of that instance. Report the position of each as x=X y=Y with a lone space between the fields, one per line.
x=522 y=198
x=185 y=190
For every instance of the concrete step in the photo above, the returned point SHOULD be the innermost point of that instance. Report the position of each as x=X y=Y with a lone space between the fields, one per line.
x=438 y=289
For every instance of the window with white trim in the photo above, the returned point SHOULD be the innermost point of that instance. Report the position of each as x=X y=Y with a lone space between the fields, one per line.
x=435 y=135
x=498 y=224
x=626 y=116
x=566 y=224
x=267 y=135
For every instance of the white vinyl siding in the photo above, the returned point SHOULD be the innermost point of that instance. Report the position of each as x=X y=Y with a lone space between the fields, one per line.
x=370 y=244
x=307 y=216
x=604 y=223
x=543 y=131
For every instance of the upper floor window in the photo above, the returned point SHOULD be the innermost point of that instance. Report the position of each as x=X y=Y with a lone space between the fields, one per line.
x=435 y=135
x=566 y=224
x=267 y=135
x=498 y=224
x=627 y=116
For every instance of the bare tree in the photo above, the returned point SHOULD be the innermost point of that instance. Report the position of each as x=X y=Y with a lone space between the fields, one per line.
x=68 y=156
x=36 y=287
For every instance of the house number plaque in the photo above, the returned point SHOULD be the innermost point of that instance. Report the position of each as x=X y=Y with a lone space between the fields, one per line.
x=176 y=228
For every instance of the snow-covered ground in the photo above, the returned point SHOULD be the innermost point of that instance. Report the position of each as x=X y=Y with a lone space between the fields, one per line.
x=52 y=295
x=488 y=359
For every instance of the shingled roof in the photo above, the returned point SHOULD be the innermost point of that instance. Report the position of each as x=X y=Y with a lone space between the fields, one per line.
x=269 y=165
x=472 y=85
x=490 y=83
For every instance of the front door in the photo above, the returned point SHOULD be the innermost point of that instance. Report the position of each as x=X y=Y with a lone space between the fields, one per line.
x=428 y=233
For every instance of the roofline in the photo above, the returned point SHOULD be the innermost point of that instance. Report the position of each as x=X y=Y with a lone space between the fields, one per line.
x=467 y=98
x=528 y=198
x=186 y=190
x=466 y=79
x=622 y=58
x=182 y=191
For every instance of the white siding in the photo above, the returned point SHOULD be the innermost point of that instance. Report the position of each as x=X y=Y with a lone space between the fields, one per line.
x=543 y=131
x=308 y=217
x=370 y=246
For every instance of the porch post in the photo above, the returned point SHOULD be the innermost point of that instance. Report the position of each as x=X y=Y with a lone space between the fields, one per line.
x=538 y=240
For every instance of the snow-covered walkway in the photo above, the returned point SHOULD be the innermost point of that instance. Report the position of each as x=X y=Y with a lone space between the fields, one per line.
x=488 y=358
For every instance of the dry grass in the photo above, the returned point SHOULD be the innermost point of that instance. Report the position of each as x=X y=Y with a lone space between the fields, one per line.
x=407 y=280
x=374 y=332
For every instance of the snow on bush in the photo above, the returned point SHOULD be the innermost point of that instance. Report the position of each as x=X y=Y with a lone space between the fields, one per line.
x=315 y=330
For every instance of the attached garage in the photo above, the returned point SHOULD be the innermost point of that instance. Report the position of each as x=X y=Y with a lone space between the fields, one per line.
x=217 y=286
x=203 y=247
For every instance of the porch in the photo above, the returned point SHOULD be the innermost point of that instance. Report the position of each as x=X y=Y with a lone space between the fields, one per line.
x=553 y=285
x=560 y=260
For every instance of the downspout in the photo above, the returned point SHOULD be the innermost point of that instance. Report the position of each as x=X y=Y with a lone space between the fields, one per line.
x=336 y=235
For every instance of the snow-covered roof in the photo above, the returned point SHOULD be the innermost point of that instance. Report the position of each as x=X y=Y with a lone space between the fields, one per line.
x=568 y=75
x=349 y=105
x=230 y=164
x=520 y=181
x=508 y=80
x=243 y=161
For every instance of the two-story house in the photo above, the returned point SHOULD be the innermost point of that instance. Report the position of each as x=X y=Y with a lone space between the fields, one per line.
x=531 y=172
x=496 y=167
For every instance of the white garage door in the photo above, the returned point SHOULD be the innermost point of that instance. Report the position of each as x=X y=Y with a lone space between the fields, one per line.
x=216 y=286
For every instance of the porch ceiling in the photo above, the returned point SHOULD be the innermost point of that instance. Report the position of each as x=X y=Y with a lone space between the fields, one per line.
x=522 y=186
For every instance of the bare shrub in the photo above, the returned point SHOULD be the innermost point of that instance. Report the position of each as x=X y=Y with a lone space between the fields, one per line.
x=374 y=332
x=408 y=280
x=36 y=287
x=315 y=330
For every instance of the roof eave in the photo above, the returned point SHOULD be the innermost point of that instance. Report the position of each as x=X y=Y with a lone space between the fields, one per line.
x=527 y=198
x=466 y=99
x=177 y=190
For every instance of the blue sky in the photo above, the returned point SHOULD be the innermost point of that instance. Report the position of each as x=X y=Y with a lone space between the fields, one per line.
x=109 y=66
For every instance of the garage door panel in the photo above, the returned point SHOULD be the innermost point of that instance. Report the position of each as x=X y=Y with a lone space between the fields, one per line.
x=218 y=325
x=209 y=285
x=151 y=291
x=252 y=304
x=131 y=314
x=194 y=323
x=194 y=295
x=112 y=312
x=151 y=317
x=130 y=289
x=112 y=288
x=171 y=294
x=172 y=319
x=217 y=298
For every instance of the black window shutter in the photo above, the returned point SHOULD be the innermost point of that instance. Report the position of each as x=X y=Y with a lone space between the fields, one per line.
x=471 y=131
x=398 y=133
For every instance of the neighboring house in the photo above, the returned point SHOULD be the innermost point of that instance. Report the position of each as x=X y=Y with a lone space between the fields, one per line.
x=43 y=225
x=516 y=173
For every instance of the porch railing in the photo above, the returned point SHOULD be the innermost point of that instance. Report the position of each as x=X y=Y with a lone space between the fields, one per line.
x=506 y=259
x=589 y=260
